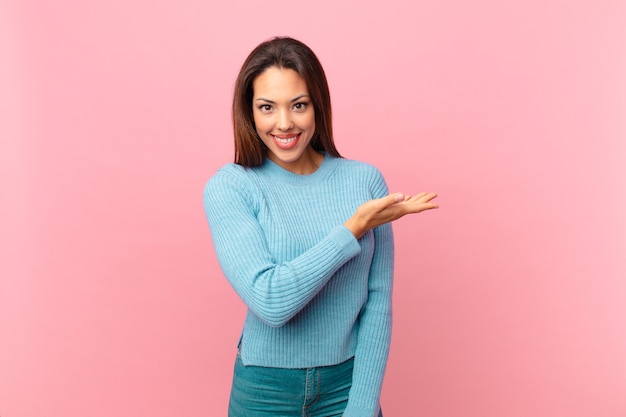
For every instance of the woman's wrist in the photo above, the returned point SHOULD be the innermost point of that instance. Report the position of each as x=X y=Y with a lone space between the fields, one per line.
x=356 y=226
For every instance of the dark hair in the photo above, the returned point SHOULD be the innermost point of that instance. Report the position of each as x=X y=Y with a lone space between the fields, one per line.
x=288 y=53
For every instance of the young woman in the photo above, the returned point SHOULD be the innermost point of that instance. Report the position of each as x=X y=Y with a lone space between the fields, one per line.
x=304 y=237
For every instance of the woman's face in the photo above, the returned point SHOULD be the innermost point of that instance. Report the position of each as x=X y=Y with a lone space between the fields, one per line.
x=285 y=119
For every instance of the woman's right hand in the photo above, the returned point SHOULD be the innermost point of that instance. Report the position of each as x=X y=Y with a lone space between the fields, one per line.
x=387 y=209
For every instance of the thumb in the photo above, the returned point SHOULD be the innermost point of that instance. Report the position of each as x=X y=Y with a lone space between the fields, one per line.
x=389 y=200
x=392 y=199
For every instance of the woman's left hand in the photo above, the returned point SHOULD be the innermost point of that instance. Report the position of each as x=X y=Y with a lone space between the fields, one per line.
x=379 y=211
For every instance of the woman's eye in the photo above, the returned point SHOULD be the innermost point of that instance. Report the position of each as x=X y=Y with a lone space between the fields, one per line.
x=265 y=108
x=300 y=106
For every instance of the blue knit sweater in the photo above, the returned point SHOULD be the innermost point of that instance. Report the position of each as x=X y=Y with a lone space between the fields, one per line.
x=315 y=295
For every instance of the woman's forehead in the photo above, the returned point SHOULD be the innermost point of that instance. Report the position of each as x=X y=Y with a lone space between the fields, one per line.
x=279 y=82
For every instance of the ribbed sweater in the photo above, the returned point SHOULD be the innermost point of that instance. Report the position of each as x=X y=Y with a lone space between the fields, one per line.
x=316 y=296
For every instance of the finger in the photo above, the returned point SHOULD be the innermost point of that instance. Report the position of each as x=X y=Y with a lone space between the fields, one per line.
x=426 y=197
x=419 y=205
x=380 y=204
x=417 y=197
x=430 y=206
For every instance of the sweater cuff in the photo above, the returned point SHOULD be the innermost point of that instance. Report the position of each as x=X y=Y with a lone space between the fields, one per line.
x=360 y=412
x=346 y=241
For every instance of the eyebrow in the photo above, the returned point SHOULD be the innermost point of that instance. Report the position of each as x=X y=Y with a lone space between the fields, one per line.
x=292 y=100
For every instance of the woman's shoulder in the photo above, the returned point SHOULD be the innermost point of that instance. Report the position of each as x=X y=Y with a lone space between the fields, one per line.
x=230 y=185
x=232 y=172
x=230 y=175
x=359 y=168
x=363 y=174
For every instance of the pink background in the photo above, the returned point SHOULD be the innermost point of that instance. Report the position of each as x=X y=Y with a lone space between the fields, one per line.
x=509 y=301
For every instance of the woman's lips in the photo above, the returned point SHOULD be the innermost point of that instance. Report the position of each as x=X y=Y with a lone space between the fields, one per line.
x=286 y=142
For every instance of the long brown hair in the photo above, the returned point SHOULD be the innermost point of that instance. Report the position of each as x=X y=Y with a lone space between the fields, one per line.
x=288 y=53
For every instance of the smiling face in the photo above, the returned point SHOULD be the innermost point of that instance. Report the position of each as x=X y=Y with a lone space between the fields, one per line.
x=285 y=119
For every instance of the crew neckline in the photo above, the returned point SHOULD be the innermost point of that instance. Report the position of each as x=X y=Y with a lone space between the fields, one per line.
x=326 y=167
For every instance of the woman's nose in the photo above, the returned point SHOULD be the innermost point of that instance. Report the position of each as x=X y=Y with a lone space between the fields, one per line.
x=284 y=121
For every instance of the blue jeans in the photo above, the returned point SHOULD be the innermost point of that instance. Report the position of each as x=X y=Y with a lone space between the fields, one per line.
x=279 y=392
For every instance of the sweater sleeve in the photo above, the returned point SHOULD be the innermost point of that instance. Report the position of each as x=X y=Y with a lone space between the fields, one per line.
x=374 y=335
x=272 y=291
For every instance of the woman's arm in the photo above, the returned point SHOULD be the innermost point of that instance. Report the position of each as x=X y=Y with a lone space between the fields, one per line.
x=275 y=292
x=374 y=338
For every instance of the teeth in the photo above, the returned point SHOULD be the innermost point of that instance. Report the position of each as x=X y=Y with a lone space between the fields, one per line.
x=286 y=140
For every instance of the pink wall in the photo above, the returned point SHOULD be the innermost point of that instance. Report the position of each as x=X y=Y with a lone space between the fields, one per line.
x=510 y=300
